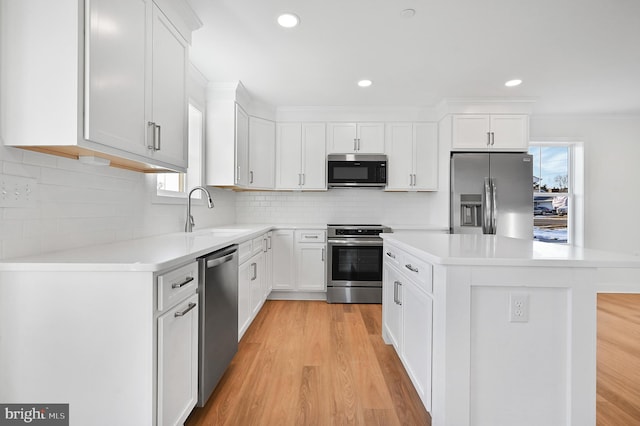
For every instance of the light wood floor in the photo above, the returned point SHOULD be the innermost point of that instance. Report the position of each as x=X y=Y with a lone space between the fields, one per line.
x=618 y=358
x=313 y=363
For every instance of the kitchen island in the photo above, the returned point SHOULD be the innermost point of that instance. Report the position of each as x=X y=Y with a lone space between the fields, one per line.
x=499 y=331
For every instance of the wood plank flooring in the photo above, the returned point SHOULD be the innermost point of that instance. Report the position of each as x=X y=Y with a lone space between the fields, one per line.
x=313 y=363
x=618 y=360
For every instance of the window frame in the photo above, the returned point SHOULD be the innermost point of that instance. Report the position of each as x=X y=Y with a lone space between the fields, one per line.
x=575 y=192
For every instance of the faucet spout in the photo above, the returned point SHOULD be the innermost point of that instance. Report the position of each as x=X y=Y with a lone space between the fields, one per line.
x=189 y=224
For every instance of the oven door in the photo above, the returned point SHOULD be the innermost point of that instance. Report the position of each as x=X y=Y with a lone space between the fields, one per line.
x=355 y=262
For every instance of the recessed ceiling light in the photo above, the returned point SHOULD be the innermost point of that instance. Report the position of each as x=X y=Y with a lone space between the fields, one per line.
x=365 y=83
x=288 y=20
x=513 y=83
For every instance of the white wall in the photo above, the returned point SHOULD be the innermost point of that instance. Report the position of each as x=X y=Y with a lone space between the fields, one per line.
x=76 y=205
x=612 y=175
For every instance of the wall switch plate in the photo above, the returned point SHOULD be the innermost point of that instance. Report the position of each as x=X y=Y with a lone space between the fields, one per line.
x=17 y=191
x=518 y=307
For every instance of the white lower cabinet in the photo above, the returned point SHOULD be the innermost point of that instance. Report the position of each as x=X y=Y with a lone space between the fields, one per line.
x=177 y=344
x=407 y=309
x=283 y=255
x=253 y=280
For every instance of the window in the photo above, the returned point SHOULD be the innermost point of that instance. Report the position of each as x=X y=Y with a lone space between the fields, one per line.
x=177 y=184
x=557 y=174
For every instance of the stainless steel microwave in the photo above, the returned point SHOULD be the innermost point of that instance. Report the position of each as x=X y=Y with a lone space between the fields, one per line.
x=356 y=170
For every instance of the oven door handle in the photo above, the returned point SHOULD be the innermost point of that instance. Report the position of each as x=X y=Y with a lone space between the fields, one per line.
x=355 y=242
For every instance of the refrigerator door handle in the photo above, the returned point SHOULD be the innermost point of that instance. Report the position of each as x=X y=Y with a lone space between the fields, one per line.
x=488 y=209
x=494 y=205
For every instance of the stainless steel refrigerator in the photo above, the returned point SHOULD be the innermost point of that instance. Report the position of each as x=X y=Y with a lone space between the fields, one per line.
x=492 y=193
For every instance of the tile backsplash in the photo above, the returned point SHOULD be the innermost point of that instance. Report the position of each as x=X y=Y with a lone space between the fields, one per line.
x=74 y=205
x=352 y=205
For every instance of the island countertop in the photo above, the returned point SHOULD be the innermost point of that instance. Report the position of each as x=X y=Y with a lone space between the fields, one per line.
x=492 y=250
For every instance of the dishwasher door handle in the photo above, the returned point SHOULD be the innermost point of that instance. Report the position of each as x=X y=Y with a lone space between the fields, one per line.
x=219 y=261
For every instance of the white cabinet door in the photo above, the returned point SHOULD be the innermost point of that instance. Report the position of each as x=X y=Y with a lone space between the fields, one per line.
x=417 y=320
x=392 y=309
x=169 y=100
x=256 y=280
x=283 y=259
x=178 y=362
x=342 y=138
x=289 y=155
x=314 y=158
x=311 y=267
x=399 y=151
x=245 y=275
x=242 y=147
x=262 y=151
x=510 y=132
x=268 y=265
x=471 y=131
x=425 y=157
x=116 y=68
x=370 y=138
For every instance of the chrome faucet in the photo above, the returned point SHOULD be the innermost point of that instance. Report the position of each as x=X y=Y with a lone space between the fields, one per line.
x=188 y=226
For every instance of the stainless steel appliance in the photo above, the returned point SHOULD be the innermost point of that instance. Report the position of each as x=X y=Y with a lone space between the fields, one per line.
x=218 y=293
x=356 y=170
x=492 y=193
x=354 y=266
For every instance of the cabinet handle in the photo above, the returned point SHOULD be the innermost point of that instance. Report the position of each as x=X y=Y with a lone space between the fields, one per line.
x=396 y=292
x=255 y=271
x=303 y=179
x=391 y=255
x=264 y=245
x=411 y=268
x=355 y=144
x=488 y=138
x=299 y=179
x=358 y=144
x=159 y=127
x=183 y=313
x=311 y=236
x=269 y=243
x=251 y=176
x=323 y=253
x=153 y=135
x=238 y=174
x=493 y=138
x=182 y=284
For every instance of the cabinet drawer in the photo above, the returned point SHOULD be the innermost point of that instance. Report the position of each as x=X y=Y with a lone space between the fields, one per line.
x=174 y=286
x=419 y=271
x=392 y=255
x=258 y=244
x=245 y=251
x=310 y=236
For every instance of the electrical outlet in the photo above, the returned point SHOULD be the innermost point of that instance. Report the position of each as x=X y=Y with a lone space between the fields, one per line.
x=518 y=307
x=17 y=191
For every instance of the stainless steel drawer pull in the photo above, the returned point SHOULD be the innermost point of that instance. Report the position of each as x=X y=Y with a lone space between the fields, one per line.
x=411 y=268
x=183 y=313
x=311 y=236
x=391 y=255
x=182 y=284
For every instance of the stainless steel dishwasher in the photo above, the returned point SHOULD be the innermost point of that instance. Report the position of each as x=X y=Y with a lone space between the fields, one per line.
x=218 y=342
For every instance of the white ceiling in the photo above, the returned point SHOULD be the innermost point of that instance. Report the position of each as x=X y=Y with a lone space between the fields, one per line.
x=574 y=56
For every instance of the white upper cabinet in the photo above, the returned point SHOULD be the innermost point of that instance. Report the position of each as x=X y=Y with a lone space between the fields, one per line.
x=262 y=147
x=498 y=132
x=93 y=81
x=168 y=93
x=241 y=172
x=412 y=152
x=361 y=138
x=115 y=113
x=300 y=156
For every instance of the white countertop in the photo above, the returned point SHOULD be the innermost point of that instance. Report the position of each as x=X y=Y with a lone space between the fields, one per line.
x=486 y=250
x=145 y=254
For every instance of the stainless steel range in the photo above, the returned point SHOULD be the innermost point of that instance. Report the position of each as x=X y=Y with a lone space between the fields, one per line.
x=354 y=267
